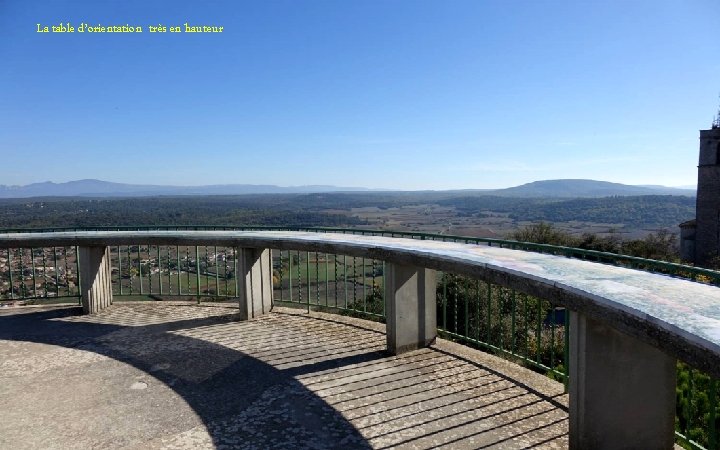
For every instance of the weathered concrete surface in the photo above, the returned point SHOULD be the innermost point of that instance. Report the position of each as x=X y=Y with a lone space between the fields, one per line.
x=254 y=271
x=159 y=375
x=411 y=307
x=622 y=393
x=680 y=317
x=96 y=288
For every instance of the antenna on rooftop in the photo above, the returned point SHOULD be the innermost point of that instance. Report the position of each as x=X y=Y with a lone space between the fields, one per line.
x=716 y=119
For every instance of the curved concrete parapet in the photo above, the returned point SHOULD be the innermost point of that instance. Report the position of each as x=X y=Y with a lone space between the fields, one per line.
x=679 y=316
x=627 y=326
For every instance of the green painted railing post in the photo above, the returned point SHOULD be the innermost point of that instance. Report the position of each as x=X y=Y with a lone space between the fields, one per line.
x=197 y=273
x=77 y=268
x=179 y=278
x=160 y=277
x=57 y=272
x=140 y=278
x=566 y=350
x=290 y=274
x=12 y=284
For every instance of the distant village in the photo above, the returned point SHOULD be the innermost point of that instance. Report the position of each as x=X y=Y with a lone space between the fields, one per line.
x=43 y=273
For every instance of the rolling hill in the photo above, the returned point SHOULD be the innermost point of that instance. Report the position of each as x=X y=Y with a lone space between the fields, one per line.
x=586 y=188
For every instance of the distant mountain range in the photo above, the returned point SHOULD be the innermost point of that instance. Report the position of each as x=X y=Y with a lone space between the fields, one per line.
x=587 y=188
x=99 y=188
x=547 y=188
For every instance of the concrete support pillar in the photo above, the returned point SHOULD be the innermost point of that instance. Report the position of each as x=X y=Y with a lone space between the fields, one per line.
x=95 y=284
x=410 y=307
x=622 y=391
x=254 y=275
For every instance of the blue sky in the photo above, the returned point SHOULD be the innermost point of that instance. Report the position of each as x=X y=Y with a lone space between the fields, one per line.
x=392 y=94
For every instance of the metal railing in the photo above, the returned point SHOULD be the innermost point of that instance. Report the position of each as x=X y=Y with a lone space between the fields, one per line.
x=649 y=265
x=528 y=330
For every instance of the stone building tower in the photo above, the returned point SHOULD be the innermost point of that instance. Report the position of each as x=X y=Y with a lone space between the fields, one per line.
x=707 y=214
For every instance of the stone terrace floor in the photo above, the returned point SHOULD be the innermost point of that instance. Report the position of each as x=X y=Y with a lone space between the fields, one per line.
x=178 y=375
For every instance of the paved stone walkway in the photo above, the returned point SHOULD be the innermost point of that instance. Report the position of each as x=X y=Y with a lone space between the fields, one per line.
x=176 y=375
